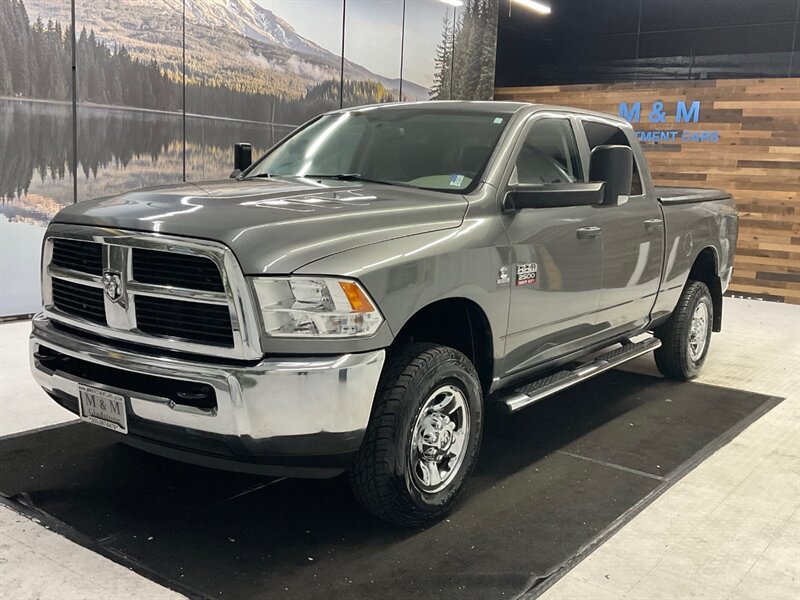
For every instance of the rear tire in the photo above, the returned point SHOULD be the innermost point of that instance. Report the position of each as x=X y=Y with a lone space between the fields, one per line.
x=686 y=336
x=422 y=438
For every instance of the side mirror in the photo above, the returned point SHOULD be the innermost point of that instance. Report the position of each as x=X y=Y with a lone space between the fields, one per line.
x=242 y=158
x=613 y=165
x=553 y=195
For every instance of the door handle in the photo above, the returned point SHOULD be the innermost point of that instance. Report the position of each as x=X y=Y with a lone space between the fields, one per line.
x=653 y=224
x=586 y=233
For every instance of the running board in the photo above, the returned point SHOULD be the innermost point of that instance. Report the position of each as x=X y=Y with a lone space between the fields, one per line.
x=521 y=397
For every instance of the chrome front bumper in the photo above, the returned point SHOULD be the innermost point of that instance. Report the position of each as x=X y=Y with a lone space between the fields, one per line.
x=279 y=412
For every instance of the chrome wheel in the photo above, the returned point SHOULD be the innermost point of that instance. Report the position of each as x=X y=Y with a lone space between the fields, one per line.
x=698 y=332
x=438 y=439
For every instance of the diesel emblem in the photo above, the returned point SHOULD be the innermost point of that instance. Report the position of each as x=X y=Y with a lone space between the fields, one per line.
x=503 y=276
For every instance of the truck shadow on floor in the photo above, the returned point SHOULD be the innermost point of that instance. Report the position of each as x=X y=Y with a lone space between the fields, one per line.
x=548 y=481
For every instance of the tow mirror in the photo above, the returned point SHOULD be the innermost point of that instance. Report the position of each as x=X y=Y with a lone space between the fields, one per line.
x=242 y=158
x=612 y=165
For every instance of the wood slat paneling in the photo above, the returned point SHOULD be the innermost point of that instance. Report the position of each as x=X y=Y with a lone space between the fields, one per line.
x=757 y=159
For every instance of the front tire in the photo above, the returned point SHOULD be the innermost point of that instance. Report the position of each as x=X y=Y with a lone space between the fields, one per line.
x=423 y=435
x=686 y=336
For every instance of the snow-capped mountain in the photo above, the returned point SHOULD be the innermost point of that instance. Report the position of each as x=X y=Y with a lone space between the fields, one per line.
x=253 y=21
x=237 y=43
x=257 y=23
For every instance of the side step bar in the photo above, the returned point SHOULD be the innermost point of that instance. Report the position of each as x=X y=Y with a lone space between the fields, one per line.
x=514 y=400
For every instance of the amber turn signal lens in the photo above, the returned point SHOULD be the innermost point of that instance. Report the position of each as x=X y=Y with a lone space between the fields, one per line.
x=358 y=300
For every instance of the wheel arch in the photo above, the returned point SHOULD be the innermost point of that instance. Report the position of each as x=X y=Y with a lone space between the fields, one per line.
x=706 y=270
x=459 y=323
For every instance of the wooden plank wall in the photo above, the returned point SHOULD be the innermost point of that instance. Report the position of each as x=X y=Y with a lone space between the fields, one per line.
x=757 y=159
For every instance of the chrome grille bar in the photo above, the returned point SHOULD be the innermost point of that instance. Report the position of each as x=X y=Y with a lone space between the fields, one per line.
x=75 y=276
x=176 y=293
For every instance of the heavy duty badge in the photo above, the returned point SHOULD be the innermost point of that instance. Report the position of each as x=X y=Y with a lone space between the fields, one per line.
x=526 y=273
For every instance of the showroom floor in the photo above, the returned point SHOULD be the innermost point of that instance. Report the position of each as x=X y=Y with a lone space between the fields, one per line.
x=730 y=528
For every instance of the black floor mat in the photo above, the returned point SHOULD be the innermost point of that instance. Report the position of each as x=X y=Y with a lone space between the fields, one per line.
x=550 y=480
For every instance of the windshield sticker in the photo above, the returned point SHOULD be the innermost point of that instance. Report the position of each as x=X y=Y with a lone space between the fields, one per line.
x=456 y=180
x=498 y=120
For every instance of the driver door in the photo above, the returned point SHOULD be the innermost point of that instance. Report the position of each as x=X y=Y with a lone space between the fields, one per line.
x=557 y=252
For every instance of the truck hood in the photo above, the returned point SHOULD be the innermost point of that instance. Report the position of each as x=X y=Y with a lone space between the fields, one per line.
x=276 y=225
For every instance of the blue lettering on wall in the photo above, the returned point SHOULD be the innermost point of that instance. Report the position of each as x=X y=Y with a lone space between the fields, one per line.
x=658 y=115
x=685 y=112
x=658 y=136
x=693 y=114
x=632 y=114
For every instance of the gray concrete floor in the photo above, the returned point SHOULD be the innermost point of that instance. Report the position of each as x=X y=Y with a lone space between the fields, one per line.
x=729 y=529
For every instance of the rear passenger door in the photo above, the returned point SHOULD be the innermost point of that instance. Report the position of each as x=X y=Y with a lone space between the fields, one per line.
x=555 y=275
x=633 y=242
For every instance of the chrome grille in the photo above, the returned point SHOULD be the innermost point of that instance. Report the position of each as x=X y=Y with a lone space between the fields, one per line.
x=204 y=323
x=79 y=300
x=174 y=269
x=86 y=257
x=175 y=293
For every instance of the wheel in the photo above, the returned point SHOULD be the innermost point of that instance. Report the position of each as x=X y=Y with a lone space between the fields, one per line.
x=423 y=435
x=686 y=336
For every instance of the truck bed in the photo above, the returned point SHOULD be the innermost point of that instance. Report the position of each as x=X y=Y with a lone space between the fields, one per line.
x=687 y=195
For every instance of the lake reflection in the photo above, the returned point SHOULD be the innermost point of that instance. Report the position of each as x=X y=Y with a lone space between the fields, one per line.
x=118 y=150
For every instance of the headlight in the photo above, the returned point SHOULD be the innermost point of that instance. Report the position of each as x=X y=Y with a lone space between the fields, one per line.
x=315 y=307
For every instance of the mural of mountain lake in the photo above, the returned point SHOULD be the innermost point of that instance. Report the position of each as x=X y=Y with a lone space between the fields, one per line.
x=118 y=150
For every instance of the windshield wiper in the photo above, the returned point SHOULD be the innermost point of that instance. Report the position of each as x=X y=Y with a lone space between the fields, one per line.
x=358 y=177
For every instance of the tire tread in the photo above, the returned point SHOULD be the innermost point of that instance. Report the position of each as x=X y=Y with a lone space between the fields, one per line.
x=672 y=357
x=371 y=476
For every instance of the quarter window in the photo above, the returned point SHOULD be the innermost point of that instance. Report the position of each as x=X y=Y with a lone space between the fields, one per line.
x=600 y=134
x=549 y=154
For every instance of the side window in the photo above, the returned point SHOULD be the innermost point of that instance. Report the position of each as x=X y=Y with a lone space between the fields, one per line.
x=600 y=134
x=549 y=154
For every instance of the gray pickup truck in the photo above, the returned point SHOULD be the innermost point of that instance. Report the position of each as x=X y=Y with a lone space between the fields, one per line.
x=357 y=299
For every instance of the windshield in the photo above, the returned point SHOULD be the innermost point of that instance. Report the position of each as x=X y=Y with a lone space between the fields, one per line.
x=437 y=149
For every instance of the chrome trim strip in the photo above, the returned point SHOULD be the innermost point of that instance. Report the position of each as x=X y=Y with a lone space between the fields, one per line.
x=176 y=293
x=75 y=276
x=117 y=256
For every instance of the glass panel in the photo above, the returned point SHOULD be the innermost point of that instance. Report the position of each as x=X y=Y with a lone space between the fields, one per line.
x=35 y=141
x=474 y=50
x=433 y=149
x=255 y=70
x=427 y=50
x=129 y=63
x=451 y=50
x=373 y=32
x=549 y=154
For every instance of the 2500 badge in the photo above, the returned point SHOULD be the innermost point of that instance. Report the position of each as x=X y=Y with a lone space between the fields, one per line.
x=526 y=273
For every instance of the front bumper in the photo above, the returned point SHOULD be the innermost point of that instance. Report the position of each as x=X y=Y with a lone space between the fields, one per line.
x=280 y=416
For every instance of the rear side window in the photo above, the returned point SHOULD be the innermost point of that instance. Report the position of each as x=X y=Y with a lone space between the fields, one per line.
x=600 y=134
x=549 y=154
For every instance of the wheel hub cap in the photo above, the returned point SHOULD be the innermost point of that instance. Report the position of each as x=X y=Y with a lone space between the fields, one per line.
x=698 y=332
x=436 y=436
x=439 y=439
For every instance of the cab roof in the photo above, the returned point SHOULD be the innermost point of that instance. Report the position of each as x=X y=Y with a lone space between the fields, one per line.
x=487 y=106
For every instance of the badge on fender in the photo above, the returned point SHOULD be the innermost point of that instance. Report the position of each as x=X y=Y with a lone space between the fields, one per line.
x=526 y=273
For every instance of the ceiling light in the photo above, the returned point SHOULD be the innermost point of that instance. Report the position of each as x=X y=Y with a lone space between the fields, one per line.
x=453 y=2
x=535 y=5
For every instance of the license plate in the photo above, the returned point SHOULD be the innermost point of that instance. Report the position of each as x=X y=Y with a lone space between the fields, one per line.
x=103 y=408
